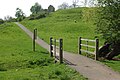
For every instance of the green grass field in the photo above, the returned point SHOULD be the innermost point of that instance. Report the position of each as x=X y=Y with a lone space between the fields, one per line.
x=66 y=24
x=113 y=64
x=19 y=62
x=61 y=24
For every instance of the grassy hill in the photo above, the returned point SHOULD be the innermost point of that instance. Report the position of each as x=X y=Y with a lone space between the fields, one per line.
x=19 y=62
x=67 y=24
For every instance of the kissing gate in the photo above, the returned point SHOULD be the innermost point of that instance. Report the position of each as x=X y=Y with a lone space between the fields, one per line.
x=54 y=48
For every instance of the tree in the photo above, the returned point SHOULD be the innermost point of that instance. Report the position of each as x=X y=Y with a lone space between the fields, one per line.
x=8 y=18
x=75 y=3
x=1 y=21
x=36 y=8
x=92 y=3
x=19 y=14
x=51 y=9
x=85 y=3
x=64 y=5
x=108 y=24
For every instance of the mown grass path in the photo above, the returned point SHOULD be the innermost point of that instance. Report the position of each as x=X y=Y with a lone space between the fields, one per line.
x=89 y=68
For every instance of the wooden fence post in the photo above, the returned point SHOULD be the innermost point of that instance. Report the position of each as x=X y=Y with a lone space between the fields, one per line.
x=79 y=45
x=61 y=50
x=87 y=48
x=55 y=48
x=51 y=47
x=36 y=33
x=34 y=40
x=97 y=49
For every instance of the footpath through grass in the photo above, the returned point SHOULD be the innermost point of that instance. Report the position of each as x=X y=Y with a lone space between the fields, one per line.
x=66 y=24
x=19 y=62
x=69 y=25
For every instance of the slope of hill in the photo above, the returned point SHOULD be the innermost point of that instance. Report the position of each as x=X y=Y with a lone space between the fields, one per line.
x=19 y=62
x=67 y=24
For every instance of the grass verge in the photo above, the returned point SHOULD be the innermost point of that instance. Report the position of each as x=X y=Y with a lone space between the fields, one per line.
x=19 y=62
x=69 y=25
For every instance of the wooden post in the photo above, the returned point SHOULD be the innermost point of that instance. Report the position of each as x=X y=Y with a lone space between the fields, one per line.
x=87 y=48
x=97 y=49
x=79 y=45
x=36 y=33
x=34 y=40
x=55 y=48
x=51 y=47
x=61 y=50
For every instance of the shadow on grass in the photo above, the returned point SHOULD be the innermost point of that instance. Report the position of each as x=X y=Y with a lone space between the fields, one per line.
x=44 y=52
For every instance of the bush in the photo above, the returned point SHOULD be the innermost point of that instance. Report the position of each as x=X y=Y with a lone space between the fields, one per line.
x=37 y=16
x=1 y=21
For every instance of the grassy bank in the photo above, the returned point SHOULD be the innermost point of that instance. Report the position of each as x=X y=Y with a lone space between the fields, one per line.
x=19 y=62
x=69 y=25
x=66 y=24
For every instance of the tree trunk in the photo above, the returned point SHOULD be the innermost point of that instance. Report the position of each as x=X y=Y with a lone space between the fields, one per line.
x=104 y=50
x=114 y=52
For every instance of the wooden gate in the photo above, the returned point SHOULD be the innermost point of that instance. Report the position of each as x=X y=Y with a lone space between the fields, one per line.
x=54 y=48
x=87 y=45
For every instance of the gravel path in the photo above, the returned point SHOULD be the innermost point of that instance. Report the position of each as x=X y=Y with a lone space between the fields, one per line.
x=89 y=68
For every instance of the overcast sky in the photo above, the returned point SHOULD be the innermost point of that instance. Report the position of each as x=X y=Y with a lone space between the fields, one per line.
x=8 y=7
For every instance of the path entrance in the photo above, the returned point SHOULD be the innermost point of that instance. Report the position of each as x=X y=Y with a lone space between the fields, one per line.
x=89 y=68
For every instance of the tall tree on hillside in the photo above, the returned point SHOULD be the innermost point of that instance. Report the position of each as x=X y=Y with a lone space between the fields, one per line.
x=1 y=21
x=92 y=3
x=108 y=24
x=64 y=5
x=85 y=3
x=19 y=14
x=75 y=3
x=8 y=18
x=36 y=8
x=51 y=9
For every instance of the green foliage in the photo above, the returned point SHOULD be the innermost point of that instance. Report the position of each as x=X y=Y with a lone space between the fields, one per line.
x=19 y=14
x=38 y=12
x=51 y=9
x=113 y=64
x=9 y=19
x=19 y=62
x=108 y=23
x=38 y=16
x=1 y=21
x=64 y=5
x=36 y=8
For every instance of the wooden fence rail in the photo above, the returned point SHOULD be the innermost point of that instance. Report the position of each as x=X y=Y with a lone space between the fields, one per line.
x=54 y=47
x=87 y=45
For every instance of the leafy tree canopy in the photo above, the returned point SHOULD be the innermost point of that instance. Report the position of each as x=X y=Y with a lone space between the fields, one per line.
x=19 y=14
x=1 y=21
x=108 y=23
x=51 y=8
x=64 y=5
x=36 y=8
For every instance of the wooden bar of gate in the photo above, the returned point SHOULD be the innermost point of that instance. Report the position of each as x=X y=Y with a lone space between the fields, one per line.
x=96 y=47
x=51 y=47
